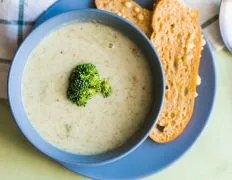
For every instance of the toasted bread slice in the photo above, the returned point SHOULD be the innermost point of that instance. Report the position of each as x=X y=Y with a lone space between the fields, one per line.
x=177 y=38
x=129 y=10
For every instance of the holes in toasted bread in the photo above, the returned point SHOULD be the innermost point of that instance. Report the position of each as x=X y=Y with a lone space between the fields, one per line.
x=166 y=96
x=170 y=56
x=166 y=87
x=177 y=126
x=166 y=67
x=171 y=84
x=160 y=128
x=172 y=115
x=186 y=91
x=172 y=28
x=160 y=27
x=175 y=64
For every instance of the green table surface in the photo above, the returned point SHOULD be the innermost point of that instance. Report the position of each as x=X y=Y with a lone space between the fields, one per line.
x=209 y=159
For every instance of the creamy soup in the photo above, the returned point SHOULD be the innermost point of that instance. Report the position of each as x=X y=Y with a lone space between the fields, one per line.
x=104 y=123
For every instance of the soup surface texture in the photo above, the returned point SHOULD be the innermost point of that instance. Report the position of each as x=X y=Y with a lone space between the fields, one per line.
x=104 y=123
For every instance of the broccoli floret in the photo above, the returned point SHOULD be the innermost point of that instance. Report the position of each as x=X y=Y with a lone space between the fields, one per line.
x=84 y=82
x=106 y=89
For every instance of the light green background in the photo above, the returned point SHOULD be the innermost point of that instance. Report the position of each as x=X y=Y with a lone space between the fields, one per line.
x=209 y=159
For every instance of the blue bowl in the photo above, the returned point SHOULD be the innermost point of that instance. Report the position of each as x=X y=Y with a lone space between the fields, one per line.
x=15 y=83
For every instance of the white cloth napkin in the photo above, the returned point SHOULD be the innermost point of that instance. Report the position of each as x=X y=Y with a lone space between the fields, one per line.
x=17 y=17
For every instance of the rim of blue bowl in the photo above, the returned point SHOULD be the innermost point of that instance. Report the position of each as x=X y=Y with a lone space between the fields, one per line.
x=19 y=114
